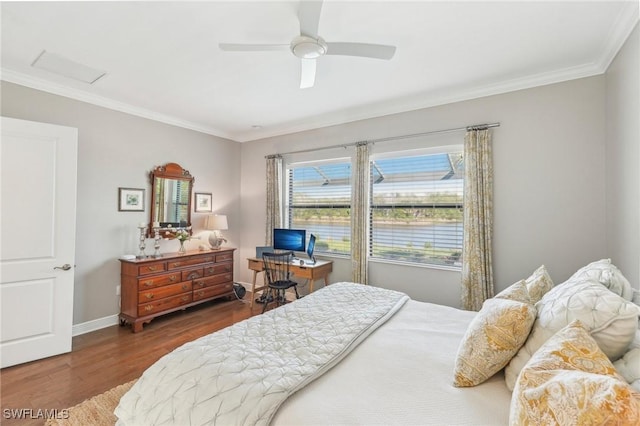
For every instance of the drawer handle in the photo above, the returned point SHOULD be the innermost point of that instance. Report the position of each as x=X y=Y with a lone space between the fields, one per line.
x=201 y=284
x=185 y=287
x=152 y=268
x=185 y=298
x=172 y=278
x=210 y=270
x=148 y=283
x=192 y=275
x=148 y=307
x=228 y=276
x=149 y=295
x=200 y=293
x=176 y=264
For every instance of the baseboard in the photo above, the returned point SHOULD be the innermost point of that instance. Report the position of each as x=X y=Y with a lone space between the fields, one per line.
x=93 y=325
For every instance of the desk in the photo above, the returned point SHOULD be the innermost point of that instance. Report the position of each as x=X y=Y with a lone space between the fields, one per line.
x=320 y=270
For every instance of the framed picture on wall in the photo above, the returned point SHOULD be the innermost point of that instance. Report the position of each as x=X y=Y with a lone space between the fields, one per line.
x=202 y=202
x=130 y=200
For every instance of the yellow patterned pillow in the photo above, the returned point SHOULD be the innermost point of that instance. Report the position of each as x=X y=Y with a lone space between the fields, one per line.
x=517 y=292
x=539 y=283
x=570 y=381
x=492 y=339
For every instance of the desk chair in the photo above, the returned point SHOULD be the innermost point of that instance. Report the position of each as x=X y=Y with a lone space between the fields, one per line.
x=276 y=270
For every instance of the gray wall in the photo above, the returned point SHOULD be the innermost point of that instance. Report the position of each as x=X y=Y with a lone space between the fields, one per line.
x=623 y=159
x=567 y=186
x=549 y=182
x=118 y=150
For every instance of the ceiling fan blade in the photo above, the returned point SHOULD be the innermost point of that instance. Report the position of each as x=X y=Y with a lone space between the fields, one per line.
x=309 y=17
x=307 y=73
x=377 y=51
x=233 y=47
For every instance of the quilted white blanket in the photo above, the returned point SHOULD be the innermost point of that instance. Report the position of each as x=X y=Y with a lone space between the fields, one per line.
x=241 y=375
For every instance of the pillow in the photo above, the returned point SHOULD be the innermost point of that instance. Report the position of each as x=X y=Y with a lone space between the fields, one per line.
x=604 y=272
x=611 y=320
x=493 y=337
x=539 y=283
x=629 y=367
x=574 y=398
x=570 y=381
x=517 y=292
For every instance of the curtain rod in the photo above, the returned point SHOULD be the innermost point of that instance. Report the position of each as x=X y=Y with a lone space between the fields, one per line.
x=392 y=138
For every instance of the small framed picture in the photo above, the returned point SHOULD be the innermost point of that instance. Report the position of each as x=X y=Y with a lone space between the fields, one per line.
x=202 y=202
x=130 y=200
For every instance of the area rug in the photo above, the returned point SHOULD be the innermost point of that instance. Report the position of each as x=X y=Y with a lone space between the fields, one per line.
x=96 y=411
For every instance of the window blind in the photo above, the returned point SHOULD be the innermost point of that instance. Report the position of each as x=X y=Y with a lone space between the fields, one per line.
x=319 y=201
x=416 y=208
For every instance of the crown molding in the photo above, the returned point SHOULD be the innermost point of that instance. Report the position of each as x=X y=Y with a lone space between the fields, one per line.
x=625 y=23
x=22 y=79
x=424 y=100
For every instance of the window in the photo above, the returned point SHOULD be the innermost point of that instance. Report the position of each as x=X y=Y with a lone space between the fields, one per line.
x=319 y=200
x=416 y=208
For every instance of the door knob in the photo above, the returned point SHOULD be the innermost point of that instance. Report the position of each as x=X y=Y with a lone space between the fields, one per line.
x=64 y=267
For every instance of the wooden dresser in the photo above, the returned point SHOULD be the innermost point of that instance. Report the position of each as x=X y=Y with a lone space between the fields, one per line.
x=155 y=286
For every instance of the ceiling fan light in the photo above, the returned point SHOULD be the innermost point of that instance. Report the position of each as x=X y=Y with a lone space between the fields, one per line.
x=308 y=47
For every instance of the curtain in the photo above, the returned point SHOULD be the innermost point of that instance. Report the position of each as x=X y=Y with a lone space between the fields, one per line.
x=274 y=186
x=477 y=270
x=359 y=215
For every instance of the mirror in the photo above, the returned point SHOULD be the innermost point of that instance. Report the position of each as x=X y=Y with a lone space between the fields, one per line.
x=171 y=196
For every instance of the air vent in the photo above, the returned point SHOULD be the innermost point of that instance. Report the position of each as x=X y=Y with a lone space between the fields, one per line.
x=60 y=65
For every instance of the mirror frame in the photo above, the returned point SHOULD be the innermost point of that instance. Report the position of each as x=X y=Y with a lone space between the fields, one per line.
x=170 y=171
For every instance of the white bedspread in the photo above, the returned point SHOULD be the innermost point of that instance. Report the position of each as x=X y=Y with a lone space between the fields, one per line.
x=242 y=374
x=401 y=375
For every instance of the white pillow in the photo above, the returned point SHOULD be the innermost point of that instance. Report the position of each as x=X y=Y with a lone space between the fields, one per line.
x=606 y=274
x=629 y=367
x=611 y=320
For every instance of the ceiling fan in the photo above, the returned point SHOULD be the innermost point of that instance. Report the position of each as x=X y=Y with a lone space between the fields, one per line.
x=308 y=46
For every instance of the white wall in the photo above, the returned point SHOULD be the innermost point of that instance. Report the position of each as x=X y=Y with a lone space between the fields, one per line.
x=623 y=159
x=119 y=150
x=549 y=182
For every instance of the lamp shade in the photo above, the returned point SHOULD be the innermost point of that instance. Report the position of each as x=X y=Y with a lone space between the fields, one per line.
x=217 y=222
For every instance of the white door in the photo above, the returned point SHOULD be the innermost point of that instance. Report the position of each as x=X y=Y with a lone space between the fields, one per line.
x=37 y=233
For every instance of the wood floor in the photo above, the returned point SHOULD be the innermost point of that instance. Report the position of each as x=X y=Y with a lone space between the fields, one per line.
x=109 y=357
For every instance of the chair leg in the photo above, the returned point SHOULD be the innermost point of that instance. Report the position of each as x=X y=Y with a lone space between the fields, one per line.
x=266 y=300
x=295 y=288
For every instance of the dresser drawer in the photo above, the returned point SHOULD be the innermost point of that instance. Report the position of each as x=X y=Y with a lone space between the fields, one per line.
x=162 y=292
x=217 y=269
x=151 y=268
x=164 y=304
x=212 y=280
x=192 y=274
x=189 y=261
x=159 y=280
x=216 y=290
x=225 y=257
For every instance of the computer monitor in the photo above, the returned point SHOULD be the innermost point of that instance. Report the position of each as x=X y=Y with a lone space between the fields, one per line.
x=289 y=239
x=310 y=247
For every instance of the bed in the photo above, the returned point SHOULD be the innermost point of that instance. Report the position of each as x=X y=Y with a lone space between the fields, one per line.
x=394 y=367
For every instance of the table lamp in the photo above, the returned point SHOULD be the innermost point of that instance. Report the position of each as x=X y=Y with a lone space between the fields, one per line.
x=216 y=223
